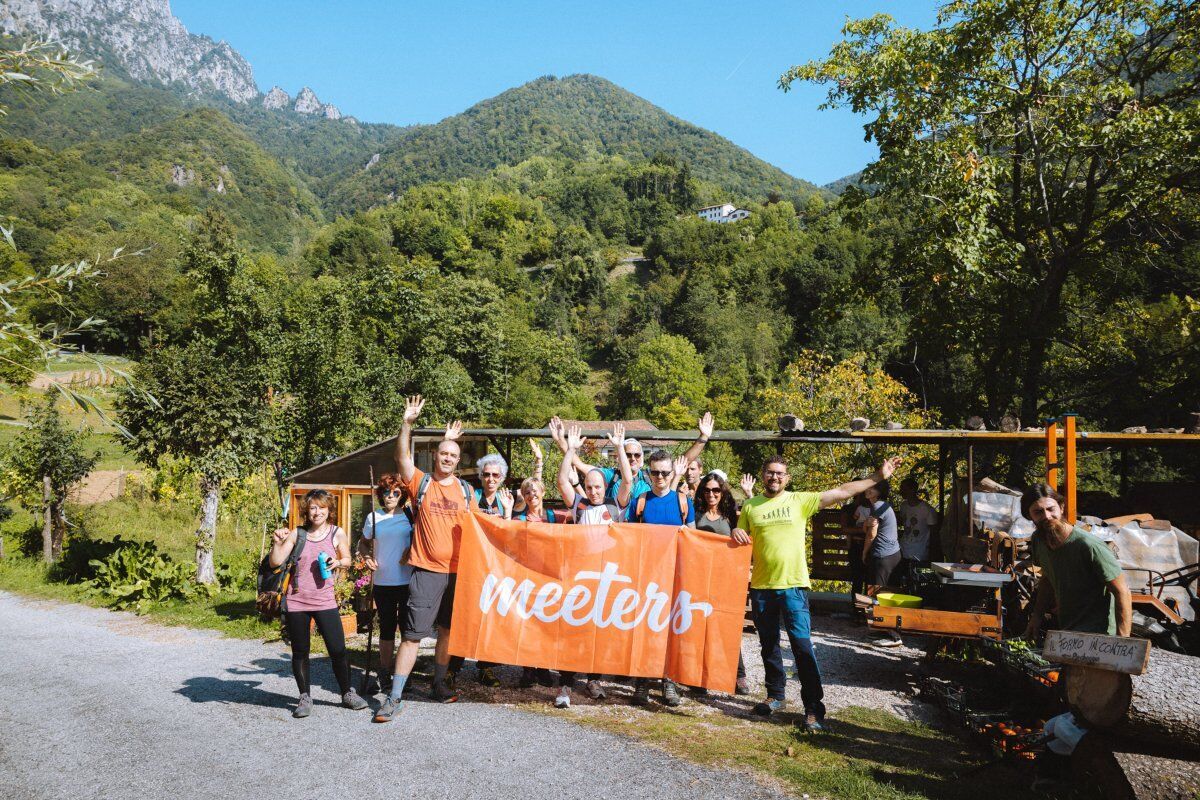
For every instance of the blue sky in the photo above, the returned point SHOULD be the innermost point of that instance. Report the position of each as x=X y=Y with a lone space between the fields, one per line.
x=713 y=64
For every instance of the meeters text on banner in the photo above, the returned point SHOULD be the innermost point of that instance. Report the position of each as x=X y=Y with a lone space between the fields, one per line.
x=635 y=600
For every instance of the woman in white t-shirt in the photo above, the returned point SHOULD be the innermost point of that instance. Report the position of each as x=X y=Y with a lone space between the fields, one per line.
x=386 y=537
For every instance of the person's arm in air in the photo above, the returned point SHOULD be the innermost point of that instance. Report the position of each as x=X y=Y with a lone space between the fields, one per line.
x=558 y=434
x=566 y=471
x=841 y=494
x=697 y=447
x=405 y=466
x=617 y=437
x=283 y=541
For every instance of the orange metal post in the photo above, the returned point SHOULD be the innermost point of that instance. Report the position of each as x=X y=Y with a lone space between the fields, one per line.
x=1052 y=453
x=1069 y=464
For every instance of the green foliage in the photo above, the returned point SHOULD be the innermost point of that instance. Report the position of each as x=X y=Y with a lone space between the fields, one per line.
x=665 y=382
x=136 y=575
x=1030 y=143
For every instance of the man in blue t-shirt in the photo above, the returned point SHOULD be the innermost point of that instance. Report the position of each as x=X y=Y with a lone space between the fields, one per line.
x=662 y=505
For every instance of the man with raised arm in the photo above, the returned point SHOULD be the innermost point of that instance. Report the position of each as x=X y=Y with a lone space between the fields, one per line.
x=633 y=449
x=437 y=501
x=776 y=523
x=588 y=506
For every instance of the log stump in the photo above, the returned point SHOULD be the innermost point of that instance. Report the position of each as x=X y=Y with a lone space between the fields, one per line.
x=1109 y=768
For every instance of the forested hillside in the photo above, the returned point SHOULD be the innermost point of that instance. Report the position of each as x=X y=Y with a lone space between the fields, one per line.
x=578 y=117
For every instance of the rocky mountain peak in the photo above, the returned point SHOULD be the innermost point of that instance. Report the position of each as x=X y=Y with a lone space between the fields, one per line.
x=277 y=98
x=140 y=37
x=307 y=102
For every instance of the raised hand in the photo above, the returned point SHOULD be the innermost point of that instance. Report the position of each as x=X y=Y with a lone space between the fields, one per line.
x=575 y=438
x=617 y=437
x=506 y=501
x=888 y=467
x=748 y=484
x=412 y=408
x=558 y=433
x=706 y=425
x=280 y=535
x=680 y=465
x=537 y=450
x=453 y=430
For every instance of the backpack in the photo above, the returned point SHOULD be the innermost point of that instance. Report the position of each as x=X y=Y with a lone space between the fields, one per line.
x=467 y=491
x=273 y=582
x=641 y=507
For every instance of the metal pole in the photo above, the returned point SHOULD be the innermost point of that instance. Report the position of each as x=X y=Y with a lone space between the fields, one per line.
x=971 y=488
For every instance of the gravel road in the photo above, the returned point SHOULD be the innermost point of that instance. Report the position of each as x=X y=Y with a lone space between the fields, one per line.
x=96 y=704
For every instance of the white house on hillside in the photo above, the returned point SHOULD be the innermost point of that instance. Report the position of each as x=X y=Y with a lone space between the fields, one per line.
x=726 y=212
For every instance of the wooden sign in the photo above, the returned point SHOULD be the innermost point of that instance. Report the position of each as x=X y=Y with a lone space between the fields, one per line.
x=1112 y=653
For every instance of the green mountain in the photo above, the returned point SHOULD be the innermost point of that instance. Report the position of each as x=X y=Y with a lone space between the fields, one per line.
x=577 y=117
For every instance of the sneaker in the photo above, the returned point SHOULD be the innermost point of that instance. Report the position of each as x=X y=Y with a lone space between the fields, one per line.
x=444 y=693
x=387 y=710
x=670 y=694
x=488 y=678
x=304 y=707
x=595 y=690
x=564 y=698
x=813 y=725
x=742 y=687
x=527 y=678
x=769 y=706
x=352 y=701
x=385 y=683
x=699 y=691
x=889 y=639
x=641 y=692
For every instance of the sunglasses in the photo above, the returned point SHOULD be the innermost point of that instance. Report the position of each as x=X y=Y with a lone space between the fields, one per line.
x=491 y=474
x=712 y=489
x=394 y=493
x=660 y=473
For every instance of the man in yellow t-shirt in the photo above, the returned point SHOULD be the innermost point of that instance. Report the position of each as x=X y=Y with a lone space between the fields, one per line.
x=776 y=523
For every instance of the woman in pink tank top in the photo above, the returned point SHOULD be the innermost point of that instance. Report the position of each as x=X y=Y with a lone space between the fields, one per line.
x=310 y=596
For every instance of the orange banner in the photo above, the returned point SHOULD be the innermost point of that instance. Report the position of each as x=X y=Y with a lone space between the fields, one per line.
x=634 y=600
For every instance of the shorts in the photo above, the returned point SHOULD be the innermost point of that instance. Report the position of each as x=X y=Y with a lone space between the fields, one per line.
x=880 y=569
x=430 y=603
x=392 y=604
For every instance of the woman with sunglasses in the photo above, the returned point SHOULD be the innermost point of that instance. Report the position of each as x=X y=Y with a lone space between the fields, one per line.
x=386 y=536
x=533 y=493
x=310 y=597
x=717 y=512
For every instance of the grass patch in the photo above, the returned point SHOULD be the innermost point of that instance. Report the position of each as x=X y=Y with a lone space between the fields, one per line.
x=868 y=754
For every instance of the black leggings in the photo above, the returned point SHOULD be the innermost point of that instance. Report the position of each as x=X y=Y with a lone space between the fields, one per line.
x=329 y=623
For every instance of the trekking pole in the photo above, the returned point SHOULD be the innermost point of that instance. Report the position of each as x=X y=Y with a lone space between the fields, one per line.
x=366 y=681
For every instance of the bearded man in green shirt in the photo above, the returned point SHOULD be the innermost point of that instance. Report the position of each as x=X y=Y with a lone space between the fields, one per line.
x=776 y=523
x=1078 y=571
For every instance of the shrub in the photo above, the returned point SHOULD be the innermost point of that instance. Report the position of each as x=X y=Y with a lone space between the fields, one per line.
x=80 y=556
x=138 y=574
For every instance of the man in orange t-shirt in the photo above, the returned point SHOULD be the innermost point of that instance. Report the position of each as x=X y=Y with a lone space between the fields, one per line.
x=437 y=500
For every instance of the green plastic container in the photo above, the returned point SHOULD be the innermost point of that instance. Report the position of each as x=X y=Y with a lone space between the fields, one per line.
x=894 y=600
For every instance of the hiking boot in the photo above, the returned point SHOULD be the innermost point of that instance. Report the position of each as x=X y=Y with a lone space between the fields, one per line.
x=304 y=707
x=595 y=690
x=641 y=692
x=487 y=677
x=769 y=706
x=444 y=693
x=564 y=697
x=352 y=701
x=670 y=694
x=699 y=691
x=742 y=687
x=385 y=683
x=527 y=678
x=388 y=710
x=813 y=725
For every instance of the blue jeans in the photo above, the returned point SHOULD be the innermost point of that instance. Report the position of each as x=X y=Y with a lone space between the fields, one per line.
x=770 y=608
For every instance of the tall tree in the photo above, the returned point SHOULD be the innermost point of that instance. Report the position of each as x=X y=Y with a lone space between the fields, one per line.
x=1028 y=139
x=211 y=385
